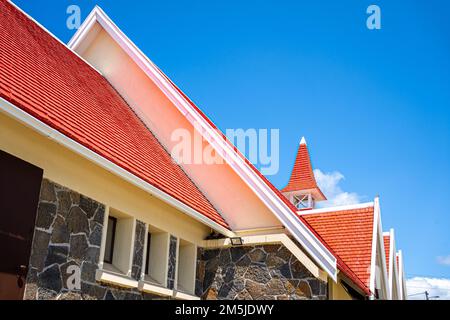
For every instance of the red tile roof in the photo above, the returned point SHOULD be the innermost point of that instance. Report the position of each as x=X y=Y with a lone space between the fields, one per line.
x=92 y=98
x=47 y=80
x=349 y=234
x=387 y=246
x=302 y=176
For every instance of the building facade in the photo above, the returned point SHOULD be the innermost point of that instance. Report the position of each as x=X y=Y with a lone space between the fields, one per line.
x=95 y=207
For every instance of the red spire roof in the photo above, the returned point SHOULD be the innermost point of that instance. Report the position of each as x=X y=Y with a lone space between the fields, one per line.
x=302 y=176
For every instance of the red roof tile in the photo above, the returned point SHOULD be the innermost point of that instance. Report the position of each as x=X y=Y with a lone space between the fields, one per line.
x=387 y=243
x=349 y=234
x=45 y=79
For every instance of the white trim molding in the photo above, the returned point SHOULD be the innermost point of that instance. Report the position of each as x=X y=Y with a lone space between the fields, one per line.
x=149 y=287
x=121 y=280
x=393 y=275
x=281 y=210
x=337 y=208
x=378 y=258
x=395 y=267
x=402 y=276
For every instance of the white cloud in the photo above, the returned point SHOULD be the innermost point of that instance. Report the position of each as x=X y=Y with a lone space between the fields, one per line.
x=436 y=287
x=444 y=260
x=329 y=184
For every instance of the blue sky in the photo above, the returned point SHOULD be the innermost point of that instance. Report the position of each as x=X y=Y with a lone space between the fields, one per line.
x=374 y=105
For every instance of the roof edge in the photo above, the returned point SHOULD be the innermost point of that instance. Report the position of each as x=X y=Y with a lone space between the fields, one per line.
x=394 y=276
x=378 y=243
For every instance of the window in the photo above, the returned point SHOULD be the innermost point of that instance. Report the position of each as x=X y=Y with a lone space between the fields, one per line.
x=110 y=237
x=149 y=242
x=118 y=242
x=187 y=263
x=156 y=256
x=303 y=201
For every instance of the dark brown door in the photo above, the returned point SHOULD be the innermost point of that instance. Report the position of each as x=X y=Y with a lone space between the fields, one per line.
x=20 y=183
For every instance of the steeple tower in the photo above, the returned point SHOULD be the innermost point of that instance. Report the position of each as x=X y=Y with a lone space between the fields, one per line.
x=302 y=189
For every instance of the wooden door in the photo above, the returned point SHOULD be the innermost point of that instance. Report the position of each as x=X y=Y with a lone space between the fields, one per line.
x=20 y=183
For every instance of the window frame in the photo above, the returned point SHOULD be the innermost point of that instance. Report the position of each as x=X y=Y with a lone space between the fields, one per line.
x=113 y=239
x=182 y=247
x=147 y=254
x=156 y=269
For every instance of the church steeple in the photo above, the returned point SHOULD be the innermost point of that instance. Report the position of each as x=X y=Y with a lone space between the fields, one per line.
x=302 y=189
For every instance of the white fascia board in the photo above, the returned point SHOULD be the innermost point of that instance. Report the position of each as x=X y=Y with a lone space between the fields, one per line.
x=306 y=238
x=378 y=246
x=373 y=257
x=45 y=130
x=336 y=209
x=83 y=30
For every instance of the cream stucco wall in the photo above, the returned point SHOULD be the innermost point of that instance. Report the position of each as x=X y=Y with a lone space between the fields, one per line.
x=74 y=172
x=158 y=250
x=187 y=256
x=224 y=188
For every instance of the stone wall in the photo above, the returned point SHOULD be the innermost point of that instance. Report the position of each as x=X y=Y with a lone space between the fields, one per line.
x=67 y=233
x=256 y=272
x=139 y=240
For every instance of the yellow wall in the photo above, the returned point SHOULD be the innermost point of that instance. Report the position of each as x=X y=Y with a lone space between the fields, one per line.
x=74 y=172
x=337 y=291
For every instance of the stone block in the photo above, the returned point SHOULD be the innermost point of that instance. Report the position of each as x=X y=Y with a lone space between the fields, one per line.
x=77 y=221
x=50 y=279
